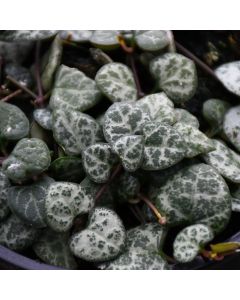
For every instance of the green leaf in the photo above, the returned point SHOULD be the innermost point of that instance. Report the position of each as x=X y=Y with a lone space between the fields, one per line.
x=4 y=186
x=30 y=157
x=231 y=126
x=229 y=74
x=225 y=161
x=143 y=244
x=15 y=52
x=16 y=235
x=123 y=119
x=164 y=146
x=194 y=195
x=184 y=116
x=14 y=125
x=98 y=161
x=75 y=131
x=159 y=107
x=102 y=240
x=73 y=90
x=189 y=242
x=196 y=142
x=116 y=82
x=236 y=200
x=53 y=249
x=26 y=35
x=105 y=39
x=151 y=40
x=176 y=76
x=43 y=116
x=66 y=200
x=28 y=202
x=51 y=61
x=77 y=36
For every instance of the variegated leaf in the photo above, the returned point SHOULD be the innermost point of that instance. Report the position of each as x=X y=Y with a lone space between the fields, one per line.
x=43 y=116
x=196 y=195
x=105 y=39
x=73 y=90
x=123 y=119
x=14 y=125
x=189 y=242
x=236 y=200
x=28 y=202
x=30 y=157
x=129 y=148
x=52 y=248
x=143 y=244
x=16 y=235
x=102 y=240
x=77 y=36
x=164 y=146
x=176 y=76
x=159 y=107
x=98 y=161
x=225 y=161
x=231 y=126
x=26 y=35
x=116 y=82
x=151 y=40
x=229 y=75
x=184 y=116
x=196 y=142
x=75 y=131
x=19 y=73
x=4 y=187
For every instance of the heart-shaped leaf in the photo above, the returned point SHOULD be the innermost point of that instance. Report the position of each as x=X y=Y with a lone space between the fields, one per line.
x=225 y=161
x=66 y=200
x=4 y=186
x=105 y=39
x=53 y=248
x=129 y=148
x=229 y=75
x=102 y=240
x=116 y=82
x=51 y=61
x=143 y=244
x=123 y=119
x=164 y=146
x=159 y=107
x=176 y=76
x=196 y=142
x=28 y=202
x=77 y=36
x=14 y=125
x=43 y=116
x=151 y=40
x=184 y=116
x=73 y=90
x=30 y=157
x=189 y=242
x=75 y=131
x=195 y=195
x=98 y=161
x=26 y=35
x=16 y=235
x=67 y=168
x=231 y=126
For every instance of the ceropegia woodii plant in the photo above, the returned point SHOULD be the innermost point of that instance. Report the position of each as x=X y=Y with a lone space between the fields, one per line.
x=118 y=150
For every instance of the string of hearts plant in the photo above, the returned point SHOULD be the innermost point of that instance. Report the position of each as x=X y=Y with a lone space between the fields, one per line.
x=94 y=146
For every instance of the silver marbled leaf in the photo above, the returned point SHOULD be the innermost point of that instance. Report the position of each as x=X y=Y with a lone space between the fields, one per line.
x=189 y=242
x=102 y=240
x=116 y=82
x=236 y=200
x=163 y=146
x=231 y=126
x=52 y=248
x=105 y=39
x=75 y=131
x=151 y=40
x=184 y=116
x=176 y=76
x=73 y=90
x=14 y=125
x=225 y=161
x=194 y=195
x=98 y=161
x=43 y=116
x=26 y=35
x=77 y=36
x=30 y=157
x=28 y=202
x=4 y=187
